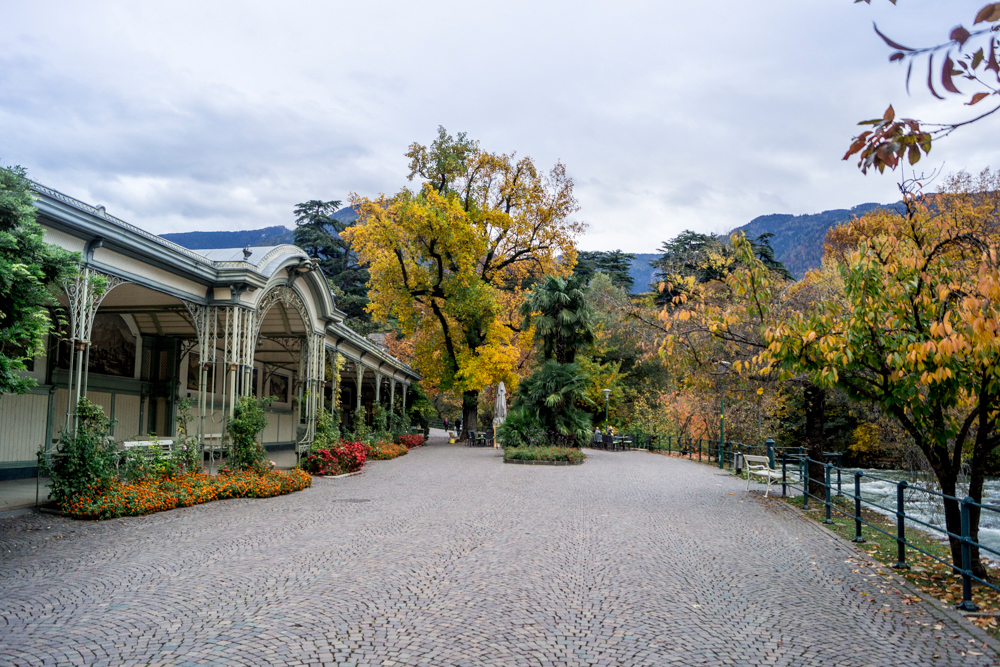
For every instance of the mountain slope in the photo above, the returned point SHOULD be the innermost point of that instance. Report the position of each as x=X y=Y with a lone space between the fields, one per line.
x=253 y=237
x=206 y=240
x=798 y=239
x=643 y=275
x=797 y=242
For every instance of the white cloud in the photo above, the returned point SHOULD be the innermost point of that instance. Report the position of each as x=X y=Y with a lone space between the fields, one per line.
x=183 y=115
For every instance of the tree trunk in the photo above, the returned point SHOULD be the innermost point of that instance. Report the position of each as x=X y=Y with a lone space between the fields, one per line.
x=470 y=412
x=952 y=514
x=976 y=478
x=815 y=398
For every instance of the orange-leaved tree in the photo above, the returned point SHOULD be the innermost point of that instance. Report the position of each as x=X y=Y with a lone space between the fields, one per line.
x=450 y=262
x=968 y=58
x=917 y=330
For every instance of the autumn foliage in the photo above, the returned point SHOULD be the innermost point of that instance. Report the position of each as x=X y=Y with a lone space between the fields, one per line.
x=450 y=261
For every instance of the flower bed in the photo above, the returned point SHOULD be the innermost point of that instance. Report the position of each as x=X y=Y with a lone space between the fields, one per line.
x=182 y=490
x=339 y=459
x=383 y=451
x=410 y=441
x=544 y=454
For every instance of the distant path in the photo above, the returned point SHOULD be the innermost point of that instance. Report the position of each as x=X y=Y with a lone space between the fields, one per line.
x=446 y=556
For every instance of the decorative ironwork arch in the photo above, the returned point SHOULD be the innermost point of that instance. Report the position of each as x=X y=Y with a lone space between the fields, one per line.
x=285 y=295
x=84 y=300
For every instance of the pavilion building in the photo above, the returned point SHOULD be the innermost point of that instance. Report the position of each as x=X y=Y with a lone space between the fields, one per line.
x=150 y=323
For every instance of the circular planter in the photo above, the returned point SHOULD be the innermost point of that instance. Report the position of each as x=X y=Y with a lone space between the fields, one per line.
x=544 y=463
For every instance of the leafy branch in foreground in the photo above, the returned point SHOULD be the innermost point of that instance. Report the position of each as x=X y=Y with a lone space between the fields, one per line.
x=969 y=55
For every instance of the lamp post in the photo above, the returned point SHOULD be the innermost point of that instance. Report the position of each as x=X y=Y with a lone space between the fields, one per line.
x=722 y=408
x=607 y=392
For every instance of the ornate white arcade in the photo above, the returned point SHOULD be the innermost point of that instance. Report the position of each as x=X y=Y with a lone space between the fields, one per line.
x=212 y=325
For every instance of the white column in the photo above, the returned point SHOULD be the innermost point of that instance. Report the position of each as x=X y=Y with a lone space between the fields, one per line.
x=360 y=372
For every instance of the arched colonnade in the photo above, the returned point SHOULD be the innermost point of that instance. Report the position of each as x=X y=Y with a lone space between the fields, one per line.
x=151 y=324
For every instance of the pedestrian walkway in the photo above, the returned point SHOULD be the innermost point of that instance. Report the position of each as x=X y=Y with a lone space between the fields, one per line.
x=447 y=556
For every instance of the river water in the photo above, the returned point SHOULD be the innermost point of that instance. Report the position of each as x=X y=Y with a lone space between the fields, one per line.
x=925 y=506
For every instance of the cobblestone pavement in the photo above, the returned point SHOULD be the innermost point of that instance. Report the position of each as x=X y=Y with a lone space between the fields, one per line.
x=449 y=557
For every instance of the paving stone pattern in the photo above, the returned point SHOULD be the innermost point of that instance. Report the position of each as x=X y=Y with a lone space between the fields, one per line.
x=448 y=557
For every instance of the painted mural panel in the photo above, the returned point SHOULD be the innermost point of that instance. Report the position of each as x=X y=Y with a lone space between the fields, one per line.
x=112 y=347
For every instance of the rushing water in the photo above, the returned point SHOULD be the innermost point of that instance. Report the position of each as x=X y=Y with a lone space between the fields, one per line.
x=925 y=506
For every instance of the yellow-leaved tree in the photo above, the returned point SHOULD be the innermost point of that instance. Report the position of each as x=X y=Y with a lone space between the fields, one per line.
x=450 y=262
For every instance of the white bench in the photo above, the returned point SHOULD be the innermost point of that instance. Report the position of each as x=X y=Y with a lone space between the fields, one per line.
x=164 y=444
x=760 y=466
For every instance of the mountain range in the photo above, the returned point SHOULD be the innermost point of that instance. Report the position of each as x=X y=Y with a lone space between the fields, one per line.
x=797 y=241
x=251 y=237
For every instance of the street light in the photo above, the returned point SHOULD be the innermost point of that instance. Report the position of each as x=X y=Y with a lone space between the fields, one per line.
x=607 y=392
x=722 y=408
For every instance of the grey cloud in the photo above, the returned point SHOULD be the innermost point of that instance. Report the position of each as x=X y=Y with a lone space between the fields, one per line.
x=183 y=115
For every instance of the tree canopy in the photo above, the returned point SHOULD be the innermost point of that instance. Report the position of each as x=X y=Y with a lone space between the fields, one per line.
x=692 y=258
x=451 y=261
x=913 y=326
x=318 y=232
x=561 y=315
x=615 y=263
x=30 y=269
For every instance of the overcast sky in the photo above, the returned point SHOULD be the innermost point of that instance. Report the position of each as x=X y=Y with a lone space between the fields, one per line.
x=183 y=116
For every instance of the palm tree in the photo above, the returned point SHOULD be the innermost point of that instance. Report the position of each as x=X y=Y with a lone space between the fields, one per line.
x=563 y=318
x=548 y=400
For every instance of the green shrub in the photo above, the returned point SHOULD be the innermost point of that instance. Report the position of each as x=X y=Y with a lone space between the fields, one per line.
x=86 y=460
x=327 y=429
x=145 y=463
x=399 y=424
x=186 y=450
x=361 y=429
x=544 y=454
x=380 y=418
x=245 y=426
x=521 y=429
x=547 y=404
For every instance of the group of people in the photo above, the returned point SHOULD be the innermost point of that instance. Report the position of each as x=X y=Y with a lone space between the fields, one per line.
x=458 y=425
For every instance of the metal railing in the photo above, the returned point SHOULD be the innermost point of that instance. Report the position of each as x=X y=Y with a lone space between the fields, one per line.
x=966 y=506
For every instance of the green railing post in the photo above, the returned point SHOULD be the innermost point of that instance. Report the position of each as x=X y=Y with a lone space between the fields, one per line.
x=840 y=465
x=857 y=507
x=901 y=526
x=967 y=604
x=784 y=476
x=804 y=476
x=829 y=504
x=769 y=443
